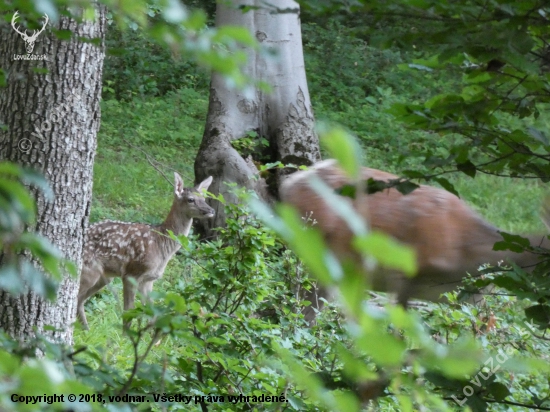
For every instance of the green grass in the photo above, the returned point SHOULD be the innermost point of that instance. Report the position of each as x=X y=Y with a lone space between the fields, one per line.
x=104 y=314
x=511 y=204
x=165 y=131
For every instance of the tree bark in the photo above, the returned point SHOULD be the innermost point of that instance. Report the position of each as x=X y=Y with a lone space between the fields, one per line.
x=52 y=122
x=283 y=117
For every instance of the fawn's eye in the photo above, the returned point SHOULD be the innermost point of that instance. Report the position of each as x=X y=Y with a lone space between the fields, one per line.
x=190 y=200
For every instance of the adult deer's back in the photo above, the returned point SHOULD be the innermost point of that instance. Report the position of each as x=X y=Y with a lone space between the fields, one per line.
x=449 y=238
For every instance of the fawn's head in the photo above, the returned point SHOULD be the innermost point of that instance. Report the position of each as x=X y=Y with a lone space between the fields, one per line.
x=190 y=201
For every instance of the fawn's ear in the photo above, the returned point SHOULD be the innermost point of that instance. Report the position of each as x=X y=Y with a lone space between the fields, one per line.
x=178 y=185
x=205 y=184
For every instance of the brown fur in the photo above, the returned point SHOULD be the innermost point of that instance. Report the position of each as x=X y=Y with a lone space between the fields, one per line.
x=449 y=238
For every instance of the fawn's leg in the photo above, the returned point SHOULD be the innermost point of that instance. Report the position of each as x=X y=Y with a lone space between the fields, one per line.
x=146 y=287
x=91 y=281
x=130 y=289
x=129 y=292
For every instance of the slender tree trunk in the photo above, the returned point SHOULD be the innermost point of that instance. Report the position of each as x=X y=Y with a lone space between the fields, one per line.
x=283 y=117
x=52 y=121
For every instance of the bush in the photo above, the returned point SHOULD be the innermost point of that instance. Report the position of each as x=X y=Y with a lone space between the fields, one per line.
x=219 y=326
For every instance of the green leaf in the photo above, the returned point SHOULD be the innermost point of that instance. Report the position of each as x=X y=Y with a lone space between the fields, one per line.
x=63 y=34
x=467 y=168
x=235 y=33
x=217 y=341
x=309 y=245
x=344 y=148
x=358 y=371
x=498 y=390
x=539 y=314
x=405 y=403
x=406 y=186
x=19 y=199
x=476 y=403
x=343 y=209
x=32 y=177
x=313 y=384
x=463 y=358
x=515 y=243
x=388 y=252
x=375 y=186
x=347 y=191
x=443 y=381
x=448 y=186
x=538 y=135
x=37 y=282
x=386 y=349
x=10 y=280
x=8 y=363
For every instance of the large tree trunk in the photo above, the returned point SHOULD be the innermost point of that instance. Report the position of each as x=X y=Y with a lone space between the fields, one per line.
x=52 y=121
x=284 y=117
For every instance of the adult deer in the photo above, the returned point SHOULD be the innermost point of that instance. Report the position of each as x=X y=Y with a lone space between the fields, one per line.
x=136 y=250
x=449 y=238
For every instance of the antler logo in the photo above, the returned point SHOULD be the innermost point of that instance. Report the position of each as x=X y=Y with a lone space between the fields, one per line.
x=29 y=40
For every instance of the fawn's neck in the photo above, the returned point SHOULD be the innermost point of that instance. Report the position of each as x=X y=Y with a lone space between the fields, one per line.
x=178 y=223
